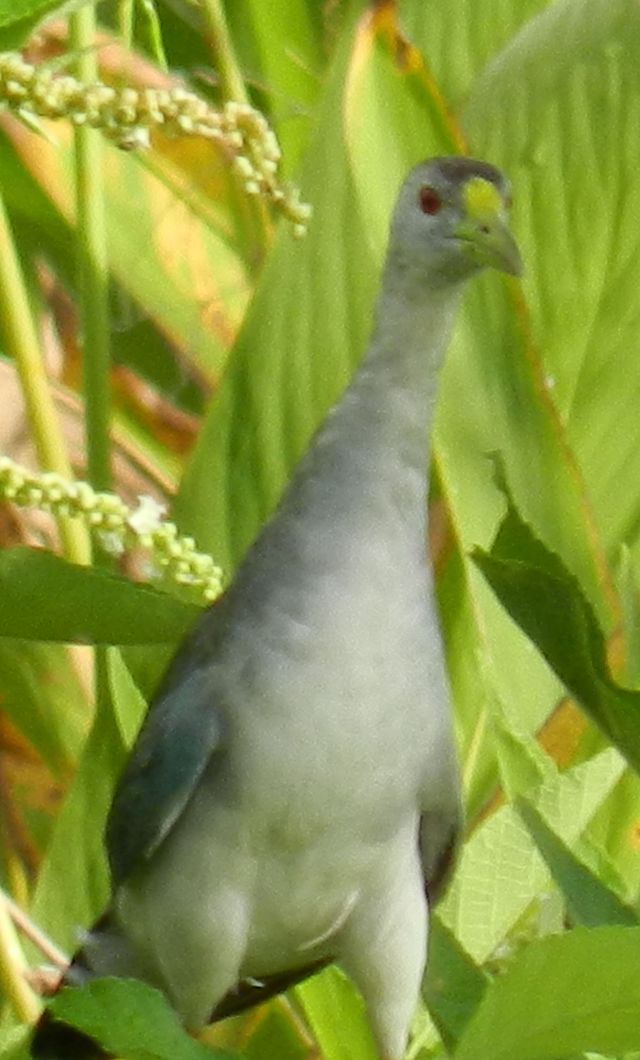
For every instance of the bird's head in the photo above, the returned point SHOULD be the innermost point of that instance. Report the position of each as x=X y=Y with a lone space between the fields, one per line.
x=450 y=221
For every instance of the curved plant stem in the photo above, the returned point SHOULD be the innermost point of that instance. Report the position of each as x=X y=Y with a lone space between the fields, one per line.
x=22 y=343
x=154 y=33
x=253 y=213
x=227 y=69
x=13 y=970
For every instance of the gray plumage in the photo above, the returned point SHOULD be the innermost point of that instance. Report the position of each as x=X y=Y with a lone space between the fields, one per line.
x=293 y=794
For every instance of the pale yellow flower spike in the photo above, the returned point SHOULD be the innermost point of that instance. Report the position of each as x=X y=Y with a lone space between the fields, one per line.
x=117 y=525
x=127 y=115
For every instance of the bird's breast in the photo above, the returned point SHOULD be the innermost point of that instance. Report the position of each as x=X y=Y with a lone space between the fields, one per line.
x=335 y=711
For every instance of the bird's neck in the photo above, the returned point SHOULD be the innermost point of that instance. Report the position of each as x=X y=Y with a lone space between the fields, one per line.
x=397 y=382
x=357 y=504
x=366 y=470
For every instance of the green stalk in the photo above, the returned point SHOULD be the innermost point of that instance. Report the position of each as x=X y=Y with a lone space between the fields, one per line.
x=224 y=59
x=154 y=33
x=92 y=262
x=125 y=22
x=253 y=213
x=93 y=286
x=13 y=971
x=22 y=343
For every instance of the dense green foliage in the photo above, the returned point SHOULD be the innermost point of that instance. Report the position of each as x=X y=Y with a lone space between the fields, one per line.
x=226 y=327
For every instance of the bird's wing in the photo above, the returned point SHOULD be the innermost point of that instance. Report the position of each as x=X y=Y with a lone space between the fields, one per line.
x=181 y=732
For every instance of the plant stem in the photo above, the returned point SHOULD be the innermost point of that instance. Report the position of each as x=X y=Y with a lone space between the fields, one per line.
x=22 y=343
x=30 y=930
x=154 y=33
x=93 y=287
x=125 y=22
x=224 y=59
x=13 y=969
x=253 y=214
x=93 y=271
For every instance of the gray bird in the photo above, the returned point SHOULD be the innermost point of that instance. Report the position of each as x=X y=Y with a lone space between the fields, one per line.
x=293 y=796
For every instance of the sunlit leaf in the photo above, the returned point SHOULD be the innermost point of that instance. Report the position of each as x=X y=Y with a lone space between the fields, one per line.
x=500 y=872
x=18 y=19
x=335 y=1013
x=73 y=885
x=46 y=598
x=589 y=901
x=546 y=601
x=131 y=1019
x=454 y=984
x=561 y=996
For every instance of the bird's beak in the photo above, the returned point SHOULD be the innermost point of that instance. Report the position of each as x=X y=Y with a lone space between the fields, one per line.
x=488 y=241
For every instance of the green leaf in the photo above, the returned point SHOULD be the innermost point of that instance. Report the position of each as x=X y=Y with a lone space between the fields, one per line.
x=565 y=79
x=589 y=901
x=460 y=40
x=546 y=601
x=335 y=1012
x=170 y=246
x=276 y=1036
x=562 y=995
x=286 y=66
x=130 y=1019
x=18 y=19
x=14 y=1044
x=54 y=723
x=73 y=883
x=500 y=872
x=305 y=328
x=129 y=705
x=454 y=984
x=46 y=598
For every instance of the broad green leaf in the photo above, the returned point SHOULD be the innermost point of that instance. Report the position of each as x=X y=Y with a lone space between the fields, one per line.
x=459 y=40
x=129 y=706
x=454 y=984
x=284 y=66
x=627 y=581
x=305 y=329
x=562 y=995
x=524 y=766
x=276 y=1037
x=500 y=872
x=335 y=1012
x=17 y=19
x=547 y=603
x=13 y=10
x=615 y=832
x=566 y=79
x=130 y=1019
x=589 y=901
x=41 y=693
x=46 y=598
x=168 y=247
x=73 y=887
x=14 y=1044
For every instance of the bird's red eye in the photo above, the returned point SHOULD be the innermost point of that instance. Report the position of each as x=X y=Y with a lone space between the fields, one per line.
x=430 y=201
